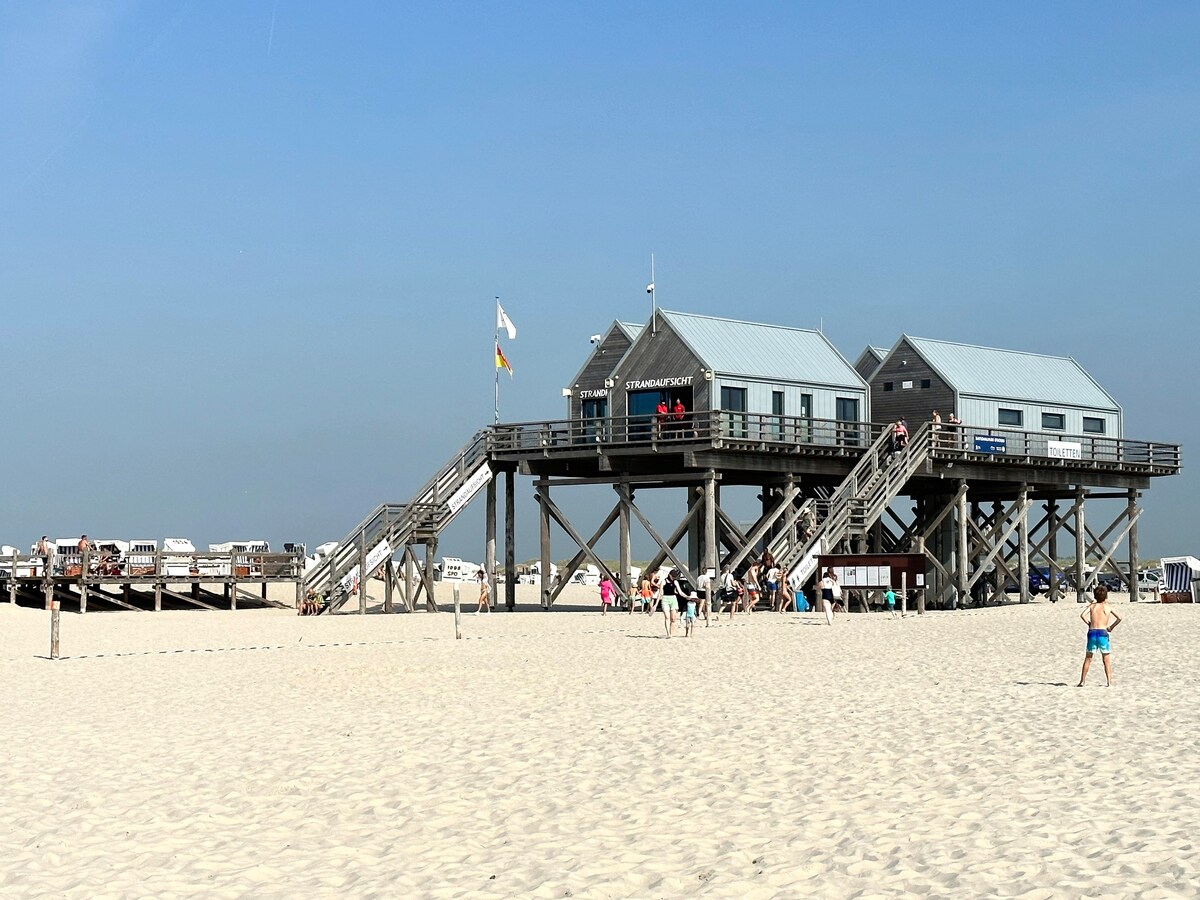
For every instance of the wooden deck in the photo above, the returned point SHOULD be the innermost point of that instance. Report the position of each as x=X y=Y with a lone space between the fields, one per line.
x=210 y=580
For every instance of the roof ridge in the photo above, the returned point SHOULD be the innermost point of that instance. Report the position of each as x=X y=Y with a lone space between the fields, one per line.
x=673 y=312
x=993 y=349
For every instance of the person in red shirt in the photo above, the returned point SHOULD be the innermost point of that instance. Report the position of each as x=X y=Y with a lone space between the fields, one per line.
x=661 y=414
x=677 y=413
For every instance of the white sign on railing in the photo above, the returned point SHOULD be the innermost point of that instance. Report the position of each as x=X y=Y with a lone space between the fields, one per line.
x=469 y=488
x=1064 y=450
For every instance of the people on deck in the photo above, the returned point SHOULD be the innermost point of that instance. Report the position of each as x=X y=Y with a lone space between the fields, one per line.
x=661 y=416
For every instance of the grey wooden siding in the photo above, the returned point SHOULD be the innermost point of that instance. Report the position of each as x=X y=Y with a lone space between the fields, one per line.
x=915 y=404
x=866 y=363
x=660 y=355
x=598 y=367
x=824 y=403
x=984 y=412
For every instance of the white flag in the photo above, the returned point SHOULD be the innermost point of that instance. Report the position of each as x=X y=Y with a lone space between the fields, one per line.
x=503 y=321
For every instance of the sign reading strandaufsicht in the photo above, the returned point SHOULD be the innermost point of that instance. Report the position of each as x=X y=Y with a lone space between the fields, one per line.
x=1064 y=450
x=649 y=384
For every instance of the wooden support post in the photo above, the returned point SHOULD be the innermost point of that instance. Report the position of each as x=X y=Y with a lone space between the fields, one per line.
x=904 y=593
x=920 y=589
x=388 y=585
x=54 y=616
x=960 y=570
x=12 y=577
x=545 y=586
x=231 y=589
x=457 y=615
x=1023 y=541
x=410 y=580
x=623 y=545
x=1080 y=545
x=708 y=564
x=1052 y=547
x=510 y=540
x=427 y=575
x=1134 y=594
x=489 y=539
x=299 y=592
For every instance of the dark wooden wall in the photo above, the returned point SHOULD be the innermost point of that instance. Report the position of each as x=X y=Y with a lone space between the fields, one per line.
x=598 y=367
x=915 y=404
x=661 y=355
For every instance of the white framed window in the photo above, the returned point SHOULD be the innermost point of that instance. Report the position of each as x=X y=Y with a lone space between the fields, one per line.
x=1010 y=417
x=1054 y=421
x=1093 y=425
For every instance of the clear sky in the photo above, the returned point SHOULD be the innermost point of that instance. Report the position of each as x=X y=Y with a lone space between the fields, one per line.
x=248 y=250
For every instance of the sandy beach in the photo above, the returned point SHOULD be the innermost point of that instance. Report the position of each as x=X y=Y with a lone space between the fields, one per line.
x=256 y=753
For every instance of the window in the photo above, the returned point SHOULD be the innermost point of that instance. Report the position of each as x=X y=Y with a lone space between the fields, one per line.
x=846 y=411
x=1054 y=421
x=1092 y=425
x=1011 y=417
x=888 y=385
x=777 y=412
x=733 y=401
x=925 y=384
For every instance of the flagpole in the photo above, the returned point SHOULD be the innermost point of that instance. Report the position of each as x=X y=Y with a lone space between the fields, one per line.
x=495 y=346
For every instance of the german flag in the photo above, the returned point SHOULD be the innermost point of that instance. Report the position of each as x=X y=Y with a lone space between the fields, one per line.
x=501 y=362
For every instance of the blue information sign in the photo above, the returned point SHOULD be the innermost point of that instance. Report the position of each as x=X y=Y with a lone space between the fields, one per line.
x=989 y=444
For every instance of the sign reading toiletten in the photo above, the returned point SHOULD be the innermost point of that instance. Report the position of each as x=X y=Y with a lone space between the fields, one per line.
x=1065 y=450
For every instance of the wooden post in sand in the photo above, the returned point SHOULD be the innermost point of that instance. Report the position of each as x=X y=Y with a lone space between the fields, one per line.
x=510 y=540
x=904 y=593
x=12 y=577
x=362 y=574
x=489 y=541
x=54 y=613
x=457 y=616
x=544 y=583
x=921 y=590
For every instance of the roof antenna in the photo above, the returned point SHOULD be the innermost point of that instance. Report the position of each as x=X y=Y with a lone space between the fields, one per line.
x=821 y=325
x=653 y=300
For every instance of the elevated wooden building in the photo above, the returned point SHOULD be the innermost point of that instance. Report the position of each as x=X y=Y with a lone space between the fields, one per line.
x=780 y=409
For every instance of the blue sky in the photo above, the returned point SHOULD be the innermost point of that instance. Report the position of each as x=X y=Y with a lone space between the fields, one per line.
x=248 y=250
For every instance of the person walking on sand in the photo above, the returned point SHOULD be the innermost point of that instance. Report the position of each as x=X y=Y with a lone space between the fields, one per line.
x=484 y=591
x=751 y=582
x=773 y=586
x=646 y=590
x=1100 y=620
x=890 y=599
x=607 y=591
x=670 y=602
x=828 y=582
x=656 y=593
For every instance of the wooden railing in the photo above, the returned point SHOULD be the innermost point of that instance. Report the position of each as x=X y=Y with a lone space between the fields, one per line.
x=751 y=431
x=95 y=565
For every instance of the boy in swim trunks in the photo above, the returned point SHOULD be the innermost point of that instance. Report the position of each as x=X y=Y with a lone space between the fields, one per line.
x=1096 y=616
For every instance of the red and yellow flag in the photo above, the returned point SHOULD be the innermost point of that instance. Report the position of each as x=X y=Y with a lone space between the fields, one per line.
x=502 y=362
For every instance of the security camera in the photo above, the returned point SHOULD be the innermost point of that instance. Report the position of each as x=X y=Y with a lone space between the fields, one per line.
x=595 y=338
x=650 y=288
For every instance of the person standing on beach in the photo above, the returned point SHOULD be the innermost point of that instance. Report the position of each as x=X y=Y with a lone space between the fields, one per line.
x=646 y=591
x=607 y=591
x=750 y=580
x=1097 y=618
x=670 y=602
x=890 y=599
x=773 y=587
x=484 y=590
x=828 y=581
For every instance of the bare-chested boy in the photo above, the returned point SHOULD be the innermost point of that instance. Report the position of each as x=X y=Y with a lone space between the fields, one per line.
x=1096 y=616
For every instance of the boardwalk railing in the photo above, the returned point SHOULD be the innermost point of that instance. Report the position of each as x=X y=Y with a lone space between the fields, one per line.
x=760 y=432
x=148 y=568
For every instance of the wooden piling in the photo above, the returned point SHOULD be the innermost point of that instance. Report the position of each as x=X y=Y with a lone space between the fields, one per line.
x=54 y=616
x=457 y=615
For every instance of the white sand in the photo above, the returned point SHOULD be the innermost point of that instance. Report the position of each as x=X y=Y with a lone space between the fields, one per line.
x=260 y=754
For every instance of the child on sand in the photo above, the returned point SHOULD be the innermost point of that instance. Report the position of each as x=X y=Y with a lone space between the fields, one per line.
x=1096 y=617
x=890 y=599
x=607 y=592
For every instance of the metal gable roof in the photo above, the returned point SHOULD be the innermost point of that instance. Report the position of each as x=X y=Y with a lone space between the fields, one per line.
x=767 y=352
x=1013 y=374
x=631 y=329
